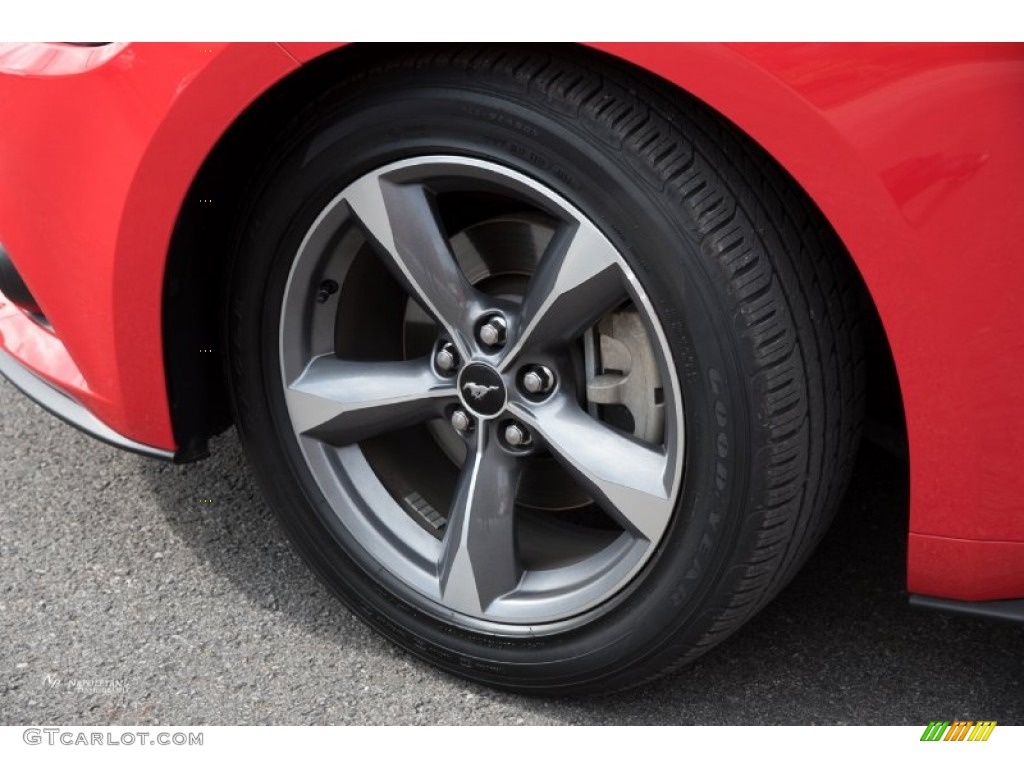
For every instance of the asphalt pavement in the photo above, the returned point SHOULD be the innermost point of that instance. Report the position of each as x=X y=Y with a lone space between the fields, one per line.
x=137 y=592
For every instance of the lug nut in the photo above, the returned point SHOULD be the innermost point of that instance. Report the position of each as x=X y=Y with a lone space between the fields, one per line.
x=492 y=332
x=446 y=359
x=538 y=380
x=517 y=436
x=461 y=421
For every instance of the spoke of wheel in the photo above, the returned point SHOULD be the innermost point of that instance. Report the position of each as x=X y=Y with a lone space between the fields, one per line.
x=579 y=279
x=479 y=561
x=344 y=401
x=628 y=479
x=401 y=220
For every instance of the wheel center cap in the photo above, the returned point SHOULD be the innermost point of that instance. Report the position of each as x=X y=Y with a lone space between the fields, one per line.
x=482 y=390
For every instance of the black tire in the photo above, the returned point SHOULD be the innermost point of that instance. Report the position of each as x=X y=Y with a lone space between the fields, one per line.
x=759 y=311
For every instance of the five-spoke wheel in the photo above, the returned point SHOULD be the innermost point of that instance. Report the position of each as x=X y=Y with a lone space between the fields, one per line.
x=516 y=330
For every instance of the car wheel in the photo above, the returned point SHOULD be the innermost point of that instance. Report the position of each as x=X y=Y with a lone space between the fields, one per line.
x=550 y=375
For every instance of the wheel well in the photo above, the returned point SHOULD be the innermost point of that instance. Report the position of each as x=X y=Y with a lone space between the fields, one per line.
x=199 y=257
x=196 y=276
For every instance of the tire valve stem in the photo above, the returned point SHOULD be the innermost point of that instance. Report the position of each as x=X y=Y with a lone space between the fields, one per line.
x=327 y=289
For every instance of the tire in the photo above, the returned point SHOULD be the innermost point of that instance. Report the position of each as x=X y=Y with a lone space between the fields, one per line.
x=551 y=375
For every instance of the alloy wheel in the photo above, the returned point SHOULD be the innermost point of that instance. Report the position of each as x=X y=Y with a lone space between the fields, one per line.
x=481 y=389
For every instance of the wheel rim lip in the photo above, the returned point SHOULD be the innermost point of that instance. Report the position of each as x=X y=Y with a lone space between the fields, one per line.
x=346 y=478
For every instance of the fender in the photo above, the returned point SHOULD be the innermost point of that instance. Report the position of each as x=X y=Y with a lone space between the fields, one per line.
x=99 y=203
x=223 y=81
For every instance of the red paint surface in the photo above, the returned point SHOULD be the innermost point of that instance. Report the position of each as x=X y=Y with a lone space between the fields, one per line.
x=93 y=171
x=914 y=153
x=972 y=570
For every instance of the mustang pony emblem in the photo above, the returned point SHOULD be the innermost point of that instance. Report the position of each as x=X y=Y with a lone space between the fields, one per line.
x=479 y=390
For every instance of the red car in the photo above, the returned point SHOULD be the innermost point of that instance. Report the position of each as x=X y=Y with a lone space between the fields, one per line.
x=553 y=360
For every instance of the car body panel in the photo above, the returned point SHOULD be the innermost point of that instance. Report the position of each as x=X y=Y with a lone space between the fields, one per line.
x=89 y=198
x=913 y=153
x=969 y=568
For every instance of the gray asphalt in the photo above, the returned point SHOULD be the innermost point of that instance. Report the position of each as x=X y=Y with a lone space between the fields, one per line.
x=136 y=592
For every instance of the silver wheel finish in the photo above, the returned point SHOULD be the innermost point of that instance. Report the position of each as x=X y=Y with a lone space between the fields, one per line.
x=476 y=571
